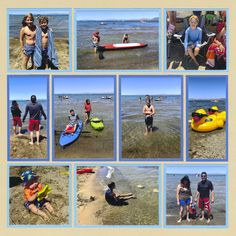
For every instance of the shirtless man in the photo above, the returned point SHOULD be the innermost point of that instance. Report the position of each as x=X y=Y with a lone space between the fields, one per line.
x=27 y=39
x=148 y=111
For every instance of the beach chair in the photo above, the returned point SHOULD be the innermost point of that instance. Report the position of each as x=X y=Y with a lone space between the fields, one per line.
x=206 y=38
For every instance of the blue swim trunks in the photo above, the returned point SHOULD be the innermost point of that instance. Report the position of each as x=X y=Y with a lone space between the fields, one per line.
x=45 y=53
x=183 y=202
x=29 y=50
x=36 y=203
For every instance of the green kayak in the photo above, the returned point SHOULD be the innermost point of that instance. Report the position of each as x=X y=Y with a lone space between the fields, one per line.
x=96 y=123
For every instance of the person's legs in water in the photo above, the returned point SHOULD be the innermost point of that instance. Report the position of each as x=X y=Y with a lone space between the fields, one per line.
x=180 y=214
x=37 y=211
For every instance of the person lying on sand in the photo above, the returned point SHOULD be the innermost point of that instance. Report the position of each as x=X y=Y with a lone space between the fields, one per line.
x=31 y=189
x=148 y=111
x=16 y=114
x=73 y=122
x=35 y=110
x=114 y=199
x=27 y=40
x=45 y=55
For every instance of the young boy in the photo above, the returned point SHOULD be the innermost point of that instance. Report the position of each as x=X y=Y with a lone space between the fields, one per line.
x=148 y=111
x=96 y=40
x=45 y=53
x=193 y=39
x=73 y=122
x=27 y=40
x=87 y=110
x=31 y=189
x=16 y=114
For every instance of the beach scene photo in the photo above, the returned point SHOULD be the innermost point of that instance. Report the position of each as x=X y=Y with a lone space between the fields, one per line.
x=196 y=40
x=39 y=195
x=150 y=116
x=28 y=116
x=117 y=195
x=196 y=195
x=207 y=117
x=39 y=39
x=84 y=117
x=117 y=39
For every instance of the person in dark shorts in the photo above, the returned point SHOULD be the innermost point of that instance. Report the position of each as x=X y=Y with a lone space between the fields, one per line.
x=114 y=199
x=148 y=111
x=204 y=190
x=16 y=114
x=35 y=110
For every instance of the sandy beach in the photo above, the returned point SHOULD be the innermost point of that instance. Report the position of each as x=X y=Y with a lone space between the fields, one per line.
x=16 y=56
x=207 y=145
x=58 y=180
x=92 y=209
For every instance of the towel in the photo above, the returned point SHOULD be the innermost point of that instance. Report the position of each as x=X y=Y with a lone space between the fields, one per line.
x=51 y=51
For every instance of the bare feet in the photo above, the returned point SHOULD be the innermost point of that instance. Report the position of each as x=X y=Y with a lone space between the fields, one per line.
x=188 y=219
x=20 y=134
x=202 y=218
x=145 y=133
x=179 y=221
x=38 y=143
x=31 y=143
x=208 y=220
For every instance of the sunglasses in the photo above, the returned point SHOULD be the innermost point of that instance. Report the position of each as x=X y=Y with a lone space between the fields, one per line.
x=198 y=115
x=211 y=110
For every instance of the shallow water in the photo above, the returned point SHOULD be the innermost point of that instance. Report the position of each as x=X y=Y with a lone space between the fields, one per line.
x=166 y=137
x=218 y=208
x=140 y=211
x=112 y=32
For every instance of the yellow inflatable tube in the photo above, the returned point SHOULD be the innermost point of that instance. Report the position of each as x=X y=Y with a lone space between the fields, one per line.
x=221 y=115
x=44 y=192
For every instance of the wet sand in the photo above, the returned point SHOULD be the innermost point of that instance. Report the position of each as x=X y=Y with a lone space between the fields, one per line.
x=20 y=147
x=16 y=56
x=210 y=145
x=58 y=180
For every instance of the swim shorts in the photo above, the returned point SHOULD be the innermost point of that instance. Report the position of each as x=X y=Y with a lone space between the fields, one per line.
x=29 y=50
x=184 y=202
x=149 y=120
x=45 y=53
x=36 y=203
x=17 y=121
x=204 y=204
x=34 y=125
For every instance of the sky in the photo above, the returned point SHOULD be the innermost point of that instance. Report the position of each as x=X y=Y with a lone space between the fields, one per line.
x=117 y=14
x=21 y=87
x=83 y=84
x=195 y=169
x=38 y=11
x=207 y=87
x=141 y=85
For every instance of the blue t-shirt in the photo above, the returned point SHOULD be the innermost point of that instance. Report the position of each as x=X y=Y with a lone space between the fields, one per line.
x=193 y=37
x=109 y=197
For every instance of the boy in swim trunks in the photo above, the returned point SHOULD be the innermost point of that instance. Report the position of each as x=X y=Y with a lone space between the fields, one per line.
x=73 y=122
x=35 y=110
x=27 y=40
x=148 y=111
x=16 y=114
x=31 y=189
x=204 y=190
x=87 y=110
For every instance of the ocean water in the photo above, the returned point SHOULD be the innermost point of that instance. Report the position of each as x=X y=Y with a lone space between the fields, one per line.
x=218 y=208
x=205 y=104
x=58 y=23
x=140 y=211
x=112 y=32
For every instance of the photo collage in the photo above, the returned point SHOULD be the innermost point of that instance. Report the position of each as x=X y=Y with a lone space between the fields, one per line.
x=117 y=117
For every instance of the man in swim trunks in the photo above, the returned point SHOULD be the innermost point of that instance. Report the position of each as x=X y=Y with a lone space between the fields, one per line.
x=114 y=199
x=148 y=111
x=204 y=190
x=27 y=39
x=35 y=110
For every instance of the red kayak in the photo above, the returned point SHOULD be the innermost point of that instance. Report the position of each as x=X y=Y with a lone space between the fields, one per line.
x=85 y=170
x=121 y=46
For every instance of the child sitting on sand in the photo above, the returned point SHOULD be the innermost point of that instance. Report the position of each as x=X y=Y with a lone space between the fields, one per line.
x=87 y=110
x=73 y=122
x=148 y=111
x=31 y=189
x=125 y=38
x=16 y=114
x=193 y=39
x=114 y=199
x=27 y=40
x=45 y=55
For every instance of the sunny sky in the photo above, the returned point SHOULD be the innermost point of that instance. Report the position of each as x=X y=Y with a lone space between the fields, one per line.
x=117 y=14
x=21 y=87
x=195 y=169
x=207 y=87
x=38 y=11
x=83 y=84
x=141 y=85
